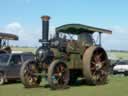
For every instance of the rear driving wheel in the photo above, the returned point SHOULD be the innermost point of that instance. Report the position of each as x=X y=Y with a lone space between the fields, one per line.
x=95 y=65
x=58 y=75
x=28 y=74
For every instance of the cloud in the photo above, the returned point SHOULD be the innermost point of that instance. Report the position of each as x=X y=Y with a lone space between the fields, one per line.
x=28 y=1
x=29 y=37
x=118 y=40
x=26 y=38
x=14 y=28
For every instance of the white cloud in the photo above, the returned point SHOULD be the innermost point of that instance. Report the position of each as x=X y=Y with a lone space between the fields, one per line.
x=1 y=29
x=27 y=37
x=28 y=1
x=14 y=28
x=118 y=39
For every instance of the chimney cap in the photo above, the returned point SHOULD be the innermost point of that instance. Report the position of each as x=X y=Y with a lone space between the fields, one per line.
x=45 y=18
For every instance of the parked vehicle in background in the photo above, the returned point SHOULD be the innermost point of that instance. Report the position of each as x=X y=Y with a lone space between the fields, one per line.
x=112 y=64
x=10 y=65
x=121 y=67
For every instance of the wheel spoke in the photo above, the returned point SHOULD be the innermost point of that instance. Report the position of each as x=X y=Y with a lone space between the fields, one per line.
x=59 y=75
x=61 y=68
x=97 y=66
x=103 y=75
x=28 y=74
x=96 y=58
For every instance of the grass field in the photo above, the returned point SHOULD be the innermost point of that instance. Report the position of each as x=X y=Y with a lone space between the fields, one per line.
x=117 y=86
x=24 y=49
x=118 y=54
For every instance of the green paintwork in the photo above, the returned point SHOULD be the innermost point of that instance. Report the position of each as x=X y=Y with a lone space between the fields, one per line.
x=79 y=28
x=76 y=48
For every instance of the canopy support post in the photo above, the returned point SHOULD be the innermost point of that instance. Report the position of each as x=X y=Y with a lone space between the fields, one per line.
x=100 y=39
x=0 y=43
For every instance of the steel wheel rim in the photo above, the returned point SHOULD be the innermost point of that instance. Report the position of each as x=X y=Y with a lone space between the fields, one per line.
x=60 y=75
x=98 y=65
x=29 y=76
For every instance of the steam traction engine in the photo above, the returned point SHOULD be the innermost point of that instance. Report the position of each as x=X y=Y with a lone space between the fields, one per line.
x=70 y=54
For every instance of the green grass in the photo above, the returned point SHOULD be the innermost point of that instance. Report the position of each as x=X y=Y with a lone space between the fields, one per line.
x=119 y=54
x=117 y=86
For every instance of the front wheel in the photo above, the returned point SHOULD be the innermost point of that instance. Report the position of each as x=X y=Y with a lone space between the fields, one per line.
x=58 y=75
x=28 y=74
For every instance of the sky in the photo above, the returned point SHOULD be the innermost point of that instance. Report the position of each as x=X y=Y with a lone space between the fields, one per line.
x=22 y=17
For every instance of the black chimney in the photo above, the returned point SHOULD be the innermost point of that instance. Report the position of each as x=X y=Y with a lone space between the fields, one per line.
x=45 y=30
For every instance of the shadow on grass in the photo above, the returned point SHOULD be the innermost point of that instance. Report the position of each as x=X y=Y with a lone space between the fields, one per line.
x=78 y=83
x=12 y=82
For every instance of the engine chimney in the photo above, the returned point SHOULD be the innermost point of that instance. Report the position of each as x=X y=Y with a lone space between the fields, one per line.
x=45 y=30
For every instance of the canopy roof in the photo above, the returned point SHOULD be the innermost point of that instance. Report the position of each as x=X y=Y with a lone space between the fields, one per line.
x=8 y=36
x=79 y=28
